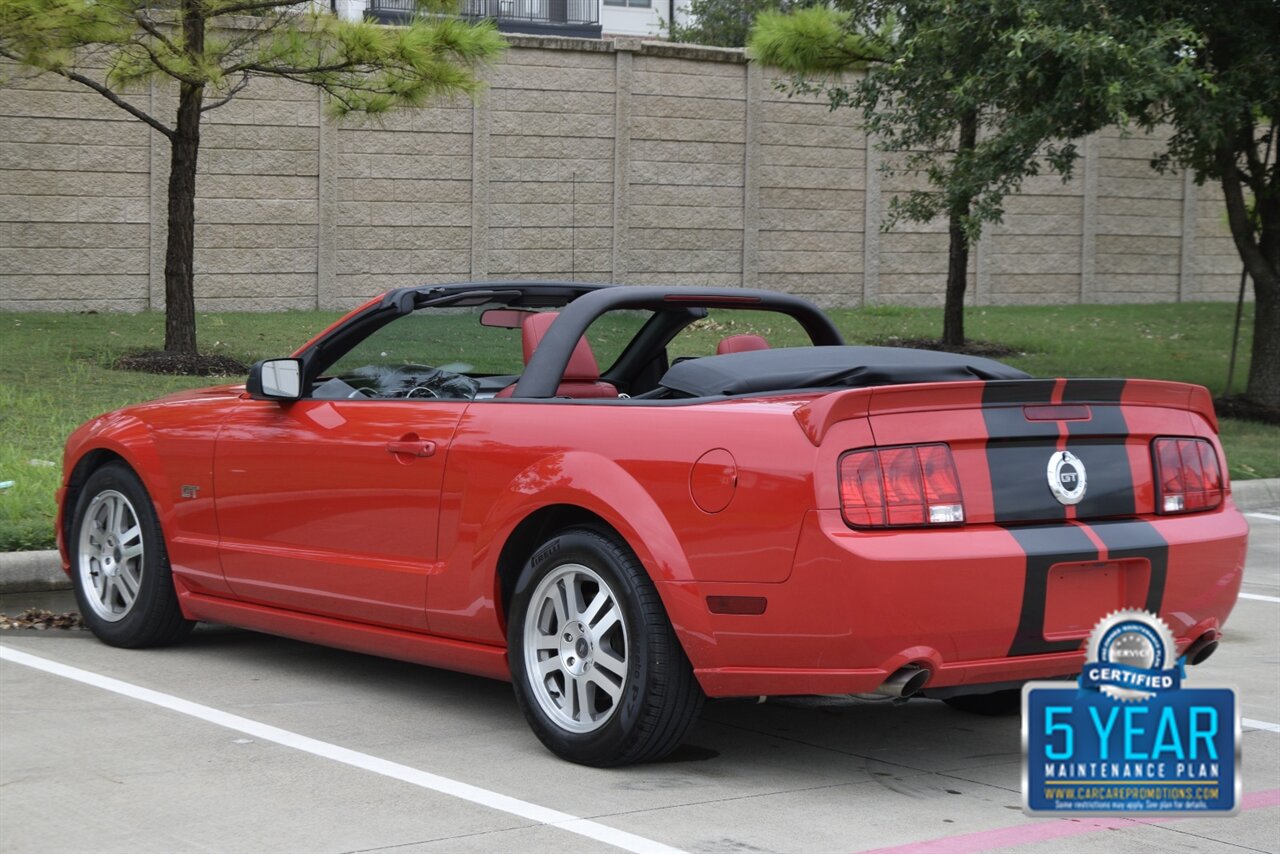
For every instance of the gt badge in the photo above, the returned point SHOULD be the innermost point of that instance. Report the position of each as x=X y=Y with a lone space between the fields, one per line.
x=1066 y=477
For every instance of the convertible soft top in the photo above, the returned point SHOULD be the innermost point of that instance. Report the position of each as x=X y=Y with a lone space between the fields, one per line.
x=827 y=367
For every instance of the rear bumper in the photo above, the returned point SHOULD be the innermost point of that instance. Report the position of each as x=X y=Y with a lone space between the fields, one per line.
x=975 y=606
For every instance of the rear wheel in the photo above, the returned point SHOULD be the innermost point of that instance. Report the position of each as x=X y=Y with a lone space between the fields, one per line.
x=995 y=704
x=596 y=666
x=120 y=569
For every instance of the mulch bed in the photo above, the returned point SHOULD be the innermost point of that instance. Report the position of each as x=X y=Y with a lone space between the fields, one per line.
x=1237 y=406
x=184 y=364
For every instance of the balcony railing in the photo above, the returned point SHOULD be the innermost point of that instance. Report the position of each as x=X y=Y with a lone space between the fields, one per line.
x=541 y=17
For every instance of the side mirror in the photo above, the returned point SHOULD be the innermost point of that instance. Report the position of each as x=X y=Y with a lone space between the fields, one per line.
x=275 y=379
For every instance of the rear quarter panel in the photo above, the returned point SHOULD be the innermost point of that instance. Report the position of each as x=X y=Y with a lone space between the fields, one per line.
x=630 y=465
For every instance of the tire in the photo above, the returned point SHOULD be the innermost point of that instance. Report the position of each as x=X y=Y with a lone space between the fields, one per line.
x=119 y=566
x=600 y=677
x=996 y=704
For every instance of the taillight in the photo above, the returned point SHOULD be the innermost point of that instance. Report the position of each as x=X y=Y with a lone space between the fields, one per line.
x=895 y=487
x=1187 y=475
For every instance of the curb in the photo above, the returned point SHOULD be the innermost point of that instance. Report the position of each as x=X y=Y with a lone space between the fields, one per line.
x=27 y=572
x=1251 y=495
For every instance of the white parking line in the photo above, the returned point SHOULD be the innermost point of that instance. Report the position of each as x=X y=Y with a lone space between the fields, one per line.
x=1267 y=725
x=424 y=779
x=1270 y=516
x=1259 y=597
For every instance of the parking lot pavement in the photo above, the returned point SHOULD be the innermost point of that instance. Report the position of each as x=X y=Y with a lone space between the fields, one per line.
x=237 y=742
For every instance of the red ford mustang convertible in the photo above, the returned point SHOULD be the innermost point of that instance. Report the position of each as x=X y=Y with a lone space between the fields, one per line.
x=447 y=476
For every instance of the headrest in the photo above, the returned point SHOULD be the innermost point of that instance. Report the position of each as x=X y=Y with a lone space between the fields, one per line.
x=741 y=344
x=582 y=364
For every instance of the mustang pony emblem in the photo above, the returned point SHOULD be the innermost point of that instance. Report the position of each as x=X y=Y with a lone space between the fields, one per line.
x=1067 y=479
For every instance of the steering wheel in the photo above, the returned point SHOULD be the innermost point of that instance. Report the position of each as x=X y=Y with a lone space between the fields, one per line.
x=425 y=392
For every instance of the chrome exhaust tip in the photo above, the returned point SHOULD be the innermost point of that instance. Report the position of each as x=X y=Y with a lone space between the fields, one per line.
x=1201 y=648
x=904 y=682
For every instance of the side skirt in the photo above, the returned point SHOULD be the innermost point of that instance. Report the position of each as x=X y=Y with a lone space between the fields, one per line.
x=473 y=658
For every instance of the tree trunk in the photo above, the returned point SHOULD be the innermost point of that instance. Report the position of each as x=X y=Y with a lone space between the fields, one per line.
x=1260 y=251
x=1264 y=362
x=179 y=271
x=958 y=251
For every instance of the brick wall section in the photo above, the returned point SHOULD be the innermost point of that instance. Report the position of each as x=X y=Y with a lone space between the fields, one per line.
x=256 y=203
x=404 y=202
x=812 y=198
x=622 y=160
x=550 y=160
x=74 y=199
x=1034 y=256
x=686 y=172
x=1139 y=241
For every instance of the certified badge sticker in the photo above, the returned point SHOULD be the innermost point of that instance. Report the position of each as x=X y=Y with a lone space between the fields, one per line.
x=1130 y=739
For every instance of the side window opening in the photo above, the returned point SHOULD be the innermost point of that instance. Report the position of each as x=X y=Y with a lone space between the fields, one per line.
x=432 y=353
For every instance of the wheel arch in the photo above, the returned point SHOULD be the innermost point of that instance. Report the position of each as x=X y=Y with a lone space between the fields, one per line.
x=89 y=462
x=591 y=491
x=124 y=439
x=530 y=533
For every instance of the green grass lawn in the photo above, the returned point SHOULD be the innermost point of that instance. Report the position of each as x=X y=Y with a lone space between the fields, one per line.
x=55 y=369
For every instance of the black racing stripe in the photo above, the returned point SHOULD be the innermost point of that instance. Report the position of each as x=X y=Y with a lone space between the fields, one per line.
x=1018 y=450
x=1008 y=392
x=1019 y=481
x=1138 y=539
x=1093 y=391
x=1109 y=484
x=1100 y=445
x=1045 y=546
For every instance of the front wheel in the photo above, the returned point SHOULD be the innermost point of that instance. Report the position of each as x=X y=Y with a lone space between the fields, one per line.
x=597 y=668
x=120 y=569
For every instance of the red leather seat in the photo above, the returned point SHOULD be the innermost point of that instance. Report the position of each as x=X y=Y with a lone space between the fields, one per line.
x=741 y=344
x=581 y=376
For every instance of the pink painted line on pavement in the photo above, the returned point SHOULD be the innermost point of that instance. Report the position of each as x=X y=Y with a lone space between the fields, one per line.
x=1049 y=828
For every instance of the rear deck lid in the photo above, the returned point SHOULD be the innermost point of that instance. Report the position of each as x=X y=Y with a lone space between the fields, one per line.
x=1029 y=451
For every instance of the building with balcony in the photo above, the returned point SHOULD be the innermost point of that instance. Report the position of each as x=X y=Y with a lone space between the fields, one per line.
x=574 y=18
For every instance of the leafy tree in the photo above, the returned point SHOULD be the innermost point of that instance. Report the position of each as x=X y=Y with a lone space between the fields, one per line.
x=115 y=46
x=725 y=23
x=1037 y=72
x=909 y=102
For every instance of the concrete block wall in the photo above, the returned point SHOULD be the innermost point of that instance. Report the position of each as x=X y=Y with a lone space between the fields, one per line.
x=622 y=160
x=74 y=199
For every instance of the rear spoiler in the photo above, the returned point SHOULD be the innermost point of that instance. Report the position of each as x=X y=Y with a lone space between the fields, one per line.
x=817 y=417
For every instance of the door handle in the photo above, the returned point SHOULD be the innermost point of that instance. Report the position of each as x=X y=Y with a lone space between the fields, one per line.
x=412 y=447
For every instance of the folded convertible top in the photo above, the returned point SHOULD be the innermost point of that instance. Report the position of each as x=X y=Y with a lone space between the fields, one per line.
x=827 y=367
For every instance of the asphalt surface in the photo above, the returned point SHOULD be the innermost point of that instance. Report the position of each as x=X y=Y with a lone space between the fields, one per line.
x=241 y=742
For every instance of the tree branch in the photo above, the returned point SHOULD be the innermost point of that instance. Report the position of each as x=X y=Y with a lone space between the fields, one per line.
x=159 y=63
x=290 y=71
x=106 y=93
x=231 y=93
x=1242 y=230
x=252 y=34
x=250 y=6
x=1256 y=177
x=155 y=32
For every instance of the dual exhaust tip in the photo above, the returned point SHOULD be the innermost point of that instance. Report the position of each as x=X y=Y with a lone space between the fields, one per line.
x=1201 y=648
x=909 y=680
x=904 y=682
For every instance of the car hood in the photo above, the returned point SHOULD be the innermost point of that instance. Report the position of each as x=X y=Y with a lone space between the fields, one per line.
x=230 y=390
